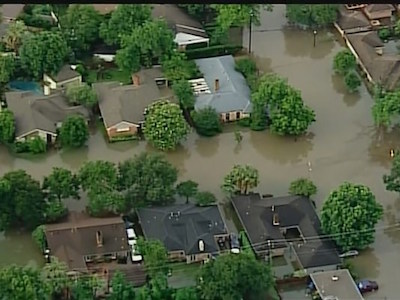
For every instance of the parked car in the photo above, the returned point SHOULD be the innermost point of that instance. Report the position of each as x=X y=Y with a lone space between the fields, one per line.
x=350 y=253
x=135 y=255
x=131 y=234
x=235 y=245
x=367 y=286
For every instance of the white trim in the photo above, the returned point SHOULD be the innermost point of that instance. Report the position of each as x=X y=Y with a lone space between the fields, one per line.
x=32 y=131
x=190 y=28
x=115 y=125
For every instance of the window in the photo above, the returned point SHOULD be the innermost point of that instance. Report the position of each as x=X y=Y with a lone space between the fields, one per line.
x=123 y=129
x=227 y=117
x=237 y=115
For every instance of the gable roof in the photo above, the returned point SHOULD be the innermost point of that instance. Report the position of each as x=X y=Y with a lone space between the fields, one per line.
x=383 y=68
x=126 y=103
x=178 y=19
x=75 y=238
x=352 y=19
x=180 y=227
x=256 y=215
x=233 y=94
x=378 y=11
x=39 y=112
x=65 y=73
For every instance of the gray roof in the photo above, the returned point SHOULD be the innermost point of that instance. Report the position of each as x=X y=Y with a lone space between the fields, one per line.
x=32 y=111
x=343 y=289
x=178 y=19
x=256 y=214
x=65 y=73
x=378 y=11
x=352 y=19
x=233 y=94
x=180 y=227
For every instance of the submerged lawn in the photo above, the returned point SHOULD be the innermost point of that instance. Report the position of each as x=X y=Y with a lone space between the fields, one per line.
x=110 y=75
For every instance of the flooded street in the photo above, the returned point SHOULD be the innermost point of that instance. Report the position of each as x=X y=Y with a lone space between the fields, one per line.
x=342 y=145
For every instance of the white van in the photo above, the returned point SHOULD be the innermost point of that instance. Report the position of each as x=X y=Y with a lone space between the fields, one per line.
x=131 y=234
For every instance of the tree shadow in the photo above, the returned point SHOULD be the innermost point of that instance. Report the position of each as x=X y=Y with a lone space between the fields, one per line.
x=350 y=99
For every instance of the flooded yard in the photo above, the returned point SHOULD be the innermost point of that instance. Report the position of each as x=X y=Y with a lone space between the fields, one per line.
x=342 y=145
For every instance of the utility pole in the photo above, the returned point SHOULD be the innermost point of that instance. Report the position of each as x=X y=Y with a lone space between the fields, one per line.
x=250 y=27
x=315 y=37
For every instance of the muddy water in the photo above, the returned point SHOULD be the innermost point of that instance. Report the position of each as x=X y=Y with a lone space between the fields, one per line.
x=342 y=145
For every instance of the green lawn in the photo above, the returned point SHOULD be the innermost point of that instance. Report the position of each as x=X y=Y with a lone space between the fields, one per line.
x=110 y=75
x=183 y=275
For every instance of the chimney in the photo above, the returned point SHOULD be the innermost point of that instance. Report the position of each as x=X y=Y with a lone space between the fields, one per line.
x=136 y=80
x=99 y=238
x=275 y=220
x=379 y=50
x=216 y=84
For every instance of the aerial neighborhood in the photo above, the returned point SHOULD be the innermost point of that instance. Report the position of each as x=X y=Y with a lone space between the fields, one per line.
x=199 y=151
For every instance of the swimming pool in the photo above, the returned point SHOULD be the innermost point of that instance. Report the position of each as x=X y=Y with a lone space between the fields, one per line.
x=32 y=86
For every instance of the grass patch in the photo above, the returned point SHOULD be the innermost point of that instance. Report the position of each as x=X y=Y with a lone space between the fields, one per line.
x=184 y=268
x=110 y=75
x=246 y=246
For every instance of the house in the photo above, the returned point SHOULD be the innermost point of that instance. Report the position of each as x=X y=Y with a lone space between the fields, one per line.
x=122 y=106
x=10 y=12
x=189 y=233
x=188 y=31
x=379 y=65
x=222 y=87
x=337 y=284
x=65 y=77
x=82 y=241
x=277 y=225
x=379 y=14
x=351 y=21
x=39 y=115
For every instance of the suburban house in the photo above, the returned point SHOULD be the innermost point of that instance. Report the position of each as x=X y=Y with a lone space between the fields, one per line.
x=188 y=31
x=123 y=106
x=286 y=226
x=379 y=61
x=10 y=12
x=222 y=88
x=189 y=233
x=65 y=77
x=82 y=241
x=379 y=14
x=337 y=284
x=39 y=115
x=351 y=21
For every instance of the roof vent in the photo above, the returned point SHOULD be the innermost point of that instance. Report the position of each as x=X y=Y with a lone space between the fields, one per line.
x=375 y=23
x=201 y=245
x=273 y=208
x=335 y=278
x=99 y=238
x=275 y=220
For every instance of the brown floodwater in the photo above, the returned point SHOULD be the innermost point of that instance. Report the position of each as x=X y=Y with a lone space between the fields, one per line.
x=342 y=145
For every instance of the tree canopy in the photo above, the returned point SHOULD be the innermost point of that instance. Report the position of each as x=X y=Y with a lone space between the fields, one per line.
x=302 y=187
x=44 y=52
x=184 y=92
x=81 y=94
x=121 y=288
x=15 y=34
x=74 y=132
x=128 y=59
x=7 y=126
x=392 y=180
x=234 y=277
x=386 y=107
x=352 y=81
x=61 y=184
x=343 y=62
x=313 y=15
x=207 y=121
x=187 y=189
x=241 y=179
x=7 y=67
x=349 y=214
x=165 y=125
x=155 y=256
x=205 y=198
x=176 y=67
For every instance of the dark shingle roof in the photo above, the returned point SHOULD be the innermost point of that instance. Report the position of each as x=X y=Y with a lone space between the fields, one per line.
x=256 y=215
x=352 y=19
x=180 y=227
x=70 y=241
x=65 y=73
x=378 y=11
x=32 y=111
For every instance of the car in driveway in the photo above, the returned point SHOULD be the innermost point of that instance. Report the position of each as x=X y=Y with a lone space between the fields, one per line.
x=131 y=234
x=366 y=286
x=135 y=255
x=350 y=253
x=235 y=245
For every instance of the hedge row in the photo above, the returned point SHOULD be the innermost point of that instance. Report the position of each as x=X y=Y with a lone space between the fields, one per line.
x=213 y=51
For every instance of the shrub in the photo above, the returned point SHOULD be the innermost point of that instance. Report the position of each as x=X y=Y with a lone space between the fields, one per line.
x=37 y=145
x=302 y=187
x=246 y=66
x=205 y=198
x=39 y=237
x=352 y=81
x=245 y=122
x=207 y=121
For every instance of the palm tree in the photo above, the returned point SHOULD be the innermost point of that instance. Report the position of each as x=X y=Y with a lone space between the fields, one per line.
x=241 y=179
x=15 y=34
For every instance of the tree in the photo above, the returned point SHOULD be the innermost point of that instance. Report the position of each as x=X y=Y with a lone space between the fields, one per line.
x=319 y=15
x=104 y=200
x=205 y=198
x=246 y=66
x=39 y=237
x=7 y=67
x=302 y=187
x=165 y=125
x=241 y=179
x=207 y=121
x=153 y=39
x=7 y=126
x=392 y=180
x=148 y=179
x=128 y=59
x=176 y=67
x=85 y=287
x=20 y=283
x=37 y=145
x=61 y=184
x=349 y=214
x=54 y=211
x=74 y=131
x=154 y=255
x=184 y=92
x=187 y=189
x=386 y=106
x=81 y=94
x=7 y=210
x=98 y=173
x=121 y=288
x=234 y=277
x=15 y=34
x=123 y=19
x=81 y=24
x=352 y=81
x=238 y=136
x=343 y=62
x=186 y=293
x=397 y=28
x=55 y=278
x=44 y=52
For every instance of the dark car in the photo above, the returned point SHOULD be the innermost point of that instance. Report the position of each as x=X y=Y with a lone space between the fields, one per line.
x=367 y=286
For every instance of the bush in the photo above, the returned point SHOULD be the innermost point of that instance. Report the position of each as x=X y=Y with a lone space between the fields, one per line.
x=39 y=237
x=21 y=147
x=205 y=199
x=246 y=66
x=37 y=145
x=384 y=33
x=352 y=81
x=213 y=51
x=207 y=121
x=302 y=187
x=245 y=122
x=35 y=21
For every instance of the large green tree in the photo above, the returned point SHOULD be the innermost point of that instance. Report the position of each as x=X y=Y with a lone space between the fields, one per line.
x=154 y=255
x=98 y=173
x=148 y=179
x=81 y=94
x=123 y=20
x=7 y=126
x=44 y=52
x=165 y=127
x=187 y=189
x=184 y=92
x=176 y=67
x=241 y=179
x=121 y=288
x=314 y=15
x=55 y=278
x=343 y=62
x=392 y=180
x=207 y=121
x=7 y=67
x=74 y=132
x=61 y=184
x=234 y=277
x=385 y=108
x=349 y=215
x=80 y=24
x=128 y=59
x=302 y=187
x=104 y=201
